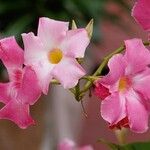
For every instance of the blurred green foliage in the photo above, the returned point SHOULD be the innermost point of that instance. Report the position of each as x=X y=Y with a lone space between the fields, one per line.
x=19 y=16
x=131 y=146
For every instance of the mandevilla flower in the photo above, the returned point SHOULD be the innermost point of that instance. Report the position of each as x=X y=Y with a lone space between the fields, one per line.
x=126 y=101
x=70 y=145
x=141 y=13
x=22 y=90
x=53 y=52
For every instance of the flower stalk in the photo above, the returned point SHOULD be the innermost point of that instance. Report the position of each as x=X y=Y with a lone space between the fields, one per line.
x=121 y=136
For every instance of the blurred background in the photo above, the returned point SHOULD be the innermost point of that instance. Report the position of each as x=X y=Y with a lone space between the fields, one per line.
x=58 y=115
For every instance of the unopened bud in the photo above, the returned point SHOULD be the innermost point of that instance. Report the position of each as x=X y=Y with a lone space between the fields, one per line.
x=74 y=26
x=89 y=28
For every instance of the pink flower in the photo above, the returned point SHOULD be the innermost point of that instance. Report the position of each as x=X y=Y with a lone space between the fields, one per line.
x=128 y=84
x=70 y=145
x=53 y=52
x=141 y=13
x=22 y=90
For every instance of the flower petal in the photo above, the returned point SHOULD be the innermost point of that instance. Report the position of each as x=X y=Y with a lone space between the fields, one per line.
x=43 y=72
x=51 y=32
x=101 y=91
x=4 y=92
x=66 y=144
x=18 y=113
x=34 y=49
x=116 y=69
x=113 y=108
x=141 y=13
x=142 y=80
x=68 y=72
x=36 y=57
x=30 y=90
x=137 y=113
x=75 y=43
x=135 y=48
x=11 y=54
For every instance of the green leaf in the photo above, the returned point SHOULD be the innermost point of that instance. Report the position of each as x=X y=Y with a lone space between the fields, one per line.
x=131 y=146
x=137 y=146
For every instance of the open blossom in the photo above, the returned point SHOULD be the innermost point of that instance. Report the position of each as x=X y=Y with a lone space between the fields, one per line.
x=141 y=13
x=53 y=52
x=22 y=90
x=126 y=102
x=70 y=145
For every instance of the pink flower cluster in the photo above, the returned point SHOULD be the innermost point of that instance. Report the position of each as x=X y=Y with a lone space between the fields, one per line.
x=49 y=55
x=125 y=90
x=52 y=54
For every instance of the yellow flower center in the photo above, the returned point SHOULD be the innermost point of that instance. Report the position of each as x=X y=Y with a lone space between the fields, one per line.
x=55 y=56
x=123 y=83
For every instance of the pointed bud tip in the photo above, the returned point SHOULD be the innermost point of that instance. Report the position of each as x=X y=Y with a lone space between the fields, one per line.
x=89 y=28
x=74 y=26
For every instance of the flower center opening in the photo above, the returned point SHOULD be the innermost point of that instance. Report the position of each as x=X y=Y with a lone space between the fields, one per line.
x=122 y=123
x=55 y=56
x=123 y=83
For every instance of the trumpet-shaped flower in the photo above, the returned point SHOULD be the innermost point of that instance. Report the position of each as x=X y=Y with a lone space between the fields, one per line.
x=141 y=13
x=126 y=101
x=70 y=145
x=22 y=90
x=53 y=52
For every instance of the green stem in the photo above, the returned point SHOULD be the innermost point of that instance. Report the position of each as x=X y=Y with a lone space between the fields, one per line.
x=91 y=78
x=55 y=81
x=121 y=136
x=100 y=68
x=77 y=92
